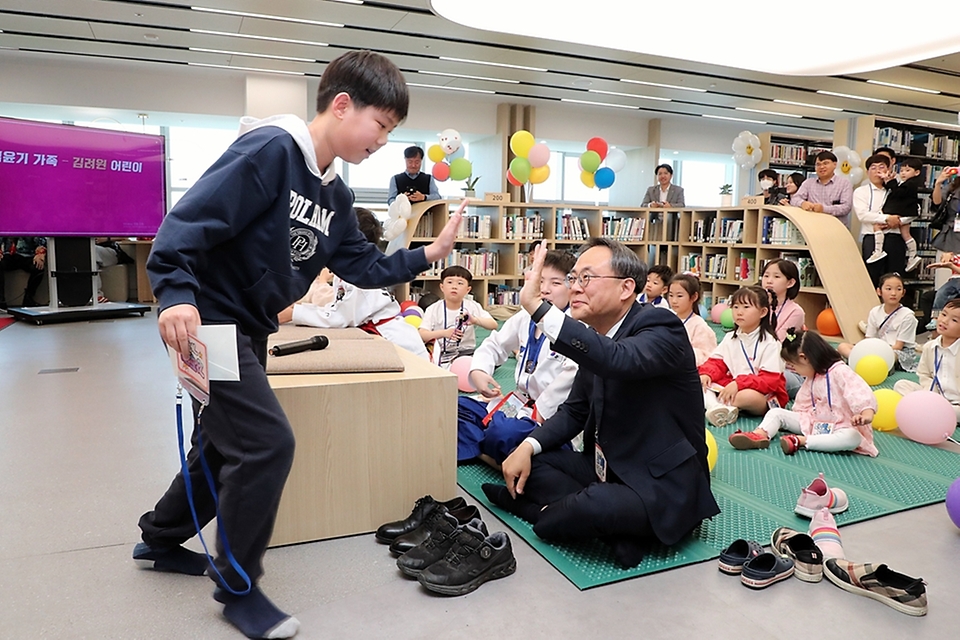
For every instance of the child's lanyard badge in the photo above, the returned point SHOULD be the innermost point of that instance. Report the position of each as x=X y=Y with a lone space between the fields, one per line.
x=892 y=313
x=445 y=354
x=936 y=369
x=531 y=351
x=821 y=427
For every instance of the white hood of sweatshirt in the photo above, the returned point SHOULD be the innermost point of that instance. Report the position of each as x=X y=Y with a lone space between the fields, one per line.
x=297 y=128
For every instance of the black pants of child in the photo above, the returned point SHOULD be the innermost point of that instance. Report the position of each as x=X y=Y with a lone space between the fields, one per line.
x=894 y=262
x=248 y=444
x=15 y=262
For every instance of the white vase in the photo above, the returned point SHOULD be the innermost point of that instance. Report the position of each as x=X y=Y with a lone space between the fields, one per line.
x=726 y=200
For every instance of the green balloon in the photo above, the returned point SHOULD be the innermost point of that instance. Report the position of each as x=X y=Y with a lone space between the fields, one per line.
x=520 y=168
x=726 y=319
x=460 y=169
x=590 y=161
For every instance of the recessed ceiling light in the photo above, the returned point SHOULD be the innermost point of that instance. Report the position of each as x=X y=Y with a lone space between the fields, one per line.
x=851 y=96
x=151 y=37
x=807 y=104
x=350 y=1
x=256 y=69
x=437 y=86
x=252 y=55
x=264 y=16
x=707 y=115
x=769 y=113
x=253 y=37
x=600 y=104
x=629 y=95
x=665 y=86
x=493 y=64
x=583 y=83
x=903 y=86
x=460 y=75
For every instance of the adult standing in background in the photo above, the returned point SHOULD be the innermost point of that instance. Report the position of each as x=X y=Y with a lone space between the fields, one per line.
x=828 y=192
x=663 y=194
x=791 y=185
x=868 y=202
x=948 y=240
x=769 y=184
x=417 y=185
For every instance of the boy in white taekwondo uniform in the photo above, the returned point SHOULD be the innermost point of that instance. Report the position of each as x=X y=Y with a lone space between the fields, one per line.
x=491 y=431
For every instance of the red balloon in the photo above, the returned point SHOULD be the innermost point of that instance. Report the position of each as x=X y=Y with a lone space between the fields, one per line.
x=441 y=171
x=513 y=180
x=599 y=145
x=406 y=304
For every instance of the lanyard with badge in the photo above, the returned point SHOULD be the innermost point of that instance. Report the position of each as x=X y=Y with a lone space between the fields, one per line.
x=890 y=315
x=750 y=362
x=821 y=427
x=936 y=369
x=531 y=351
x=446 y=355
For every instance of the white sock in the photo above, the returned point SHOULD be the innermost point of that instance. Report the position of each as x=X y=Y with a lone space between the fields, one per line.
x=911 y=248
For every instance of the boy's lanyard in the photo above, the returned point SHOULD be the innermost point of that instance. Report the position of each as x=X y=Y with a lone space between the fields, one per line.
x=756 y=346
x=531 y=352
x=446 y=340
x=892 y=313
x=936 y=369
x=813 y=400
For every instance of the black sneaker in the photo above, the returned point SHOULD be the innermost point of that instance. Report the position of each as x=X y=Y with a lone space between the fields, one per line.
x=473 y=559
x=441 y=539
x=421 y=534
x=389 y=532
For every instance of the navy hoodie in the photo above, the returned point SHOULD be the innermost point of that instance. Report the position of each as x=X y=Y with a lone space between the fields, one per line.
x=247 y=240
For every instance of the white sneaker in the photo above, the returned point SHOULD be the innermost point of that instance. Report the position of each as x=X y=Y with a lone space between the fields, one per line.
x=862 y=325
x=719 y=416
x=913 y=263
x=876 y=256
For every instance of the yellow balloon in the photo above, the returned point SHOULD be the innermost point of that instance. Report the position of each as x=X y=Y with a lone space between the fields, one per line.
x=887 y=401
x=413 y=320
x=873 y=369
x=539 y=175
x=521 y=142
x=586 y=177
x=435 y=153
x=712 y=450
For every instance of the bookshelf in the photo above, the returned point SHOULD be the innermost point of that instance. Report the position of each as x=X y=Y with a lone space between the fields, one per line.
x=727 y=247
x=786 y=154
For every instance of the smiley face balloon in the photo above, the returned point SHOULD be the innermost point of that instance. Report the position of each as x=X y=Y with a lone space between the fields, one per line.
x=450 y=140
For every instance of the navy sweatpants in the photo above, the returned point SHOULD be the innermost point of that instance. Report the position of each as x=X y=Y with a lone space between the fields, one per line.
x=248 y=444
x=500 y=437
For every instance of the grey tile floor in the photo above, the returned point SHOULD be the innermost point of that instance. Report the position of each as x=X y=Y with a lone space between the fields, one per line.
x=83 y=454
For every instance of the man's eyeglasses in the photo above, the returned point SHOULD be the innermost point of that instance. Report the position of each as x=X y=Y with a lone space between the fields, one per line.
x=584 y=279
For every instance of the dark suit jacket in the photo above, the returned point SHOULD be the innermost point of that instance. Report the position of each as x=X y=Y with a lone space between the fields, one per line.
x=643 y=389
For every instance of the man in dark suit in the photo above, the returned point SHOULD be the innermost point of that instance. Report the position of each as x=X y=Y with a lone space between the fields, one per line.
x=643 y=473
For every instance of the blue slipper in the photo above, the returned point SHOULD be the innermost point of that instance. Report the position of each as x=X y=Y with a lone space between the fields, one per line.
x=765 y=569
x=739 y=551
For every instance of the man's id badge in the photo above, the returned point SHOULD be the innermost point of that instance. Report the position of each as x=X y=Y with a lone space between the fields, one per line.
x=956 y=225
x=822 y=428
x=600 y=463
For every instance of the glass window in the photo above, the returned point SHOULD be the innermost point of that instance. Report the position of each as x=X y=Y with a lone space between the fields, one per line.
x=375 y=172
x=573 y=189
x=701 y=182
x=191 y=151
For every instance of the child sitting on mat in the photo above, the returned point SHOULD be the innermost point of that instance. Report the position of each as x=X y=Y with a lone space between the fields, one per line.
x=938 y=370
x=833 y=409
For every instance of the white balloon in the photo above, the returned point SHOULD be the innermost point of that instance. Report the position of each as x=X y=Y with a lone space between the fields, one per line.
x=616 y=159
x=871 y=347
x=449 y=140
x=849 y=164
x=403 y=208
x=756 y=156
x=753 y=140
x=394 y=229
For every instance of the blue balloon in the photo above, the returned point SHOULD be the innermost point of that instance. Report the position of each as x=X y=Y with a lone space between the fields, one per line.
x=604 y=177
x=459 y=153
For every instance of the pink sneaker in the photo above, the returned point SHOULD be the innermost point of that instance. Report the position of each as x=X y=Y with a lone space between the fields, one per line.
x=818 y=496
x=823 y=530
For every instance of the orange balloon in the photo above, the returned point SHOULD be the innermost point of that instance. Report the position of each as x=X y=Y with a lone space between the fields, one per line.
x=827 y=323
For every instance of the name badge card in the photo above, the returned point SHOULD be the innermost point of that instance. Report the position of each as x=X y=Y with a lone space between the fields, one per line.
x=193 y=371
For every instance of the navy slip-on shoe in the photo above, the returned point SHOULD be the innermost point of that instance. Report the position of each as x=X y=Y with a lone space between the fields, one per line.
x=739 y=551
x=765 y=569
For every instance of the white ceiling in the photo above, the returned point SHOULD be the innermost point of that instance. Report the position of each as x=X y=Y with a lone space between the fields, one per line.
x=164 y=32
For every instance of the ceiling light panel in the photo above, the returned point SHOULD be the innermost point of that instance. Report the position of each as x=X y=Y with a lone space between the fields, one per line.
x=440 y=86
x=808 y=105
x=251 y=69
x=267 y=16
x=903 y=86
x=852 y=96
x=466 y=77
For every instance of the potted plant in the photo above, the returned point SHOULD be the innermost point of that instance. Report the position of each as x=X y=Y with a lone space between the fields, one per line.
x=726 y=195
x=471 y=182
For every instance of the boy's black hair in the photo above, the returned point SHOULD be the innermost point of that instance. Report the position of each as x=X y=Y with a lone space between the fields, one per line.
x=456 y=271
x=788 y=269
x=760 y=298
x=885 y=150
x=663 y=166
x=413 y=152
x=769 y=173
x=914 y=163
x=826 y=155
x=877 y=158
x=662 y=270
x=562 y=261
x=952 y=304
x=370 y=80
x=796 y=178
x=690 y=284
x=888 y=276
x=818 y=352
x=370 y=226
x=427 y=299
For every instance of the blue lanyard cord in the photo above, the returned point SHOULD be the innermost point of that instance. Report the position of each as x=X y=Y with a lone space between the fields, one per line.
x=756 y=346
x=936 y=369
x=692 y=313
x=185 y=473
x=813 y=401
x=892 y=313
x=531 y=352
x=460 y=314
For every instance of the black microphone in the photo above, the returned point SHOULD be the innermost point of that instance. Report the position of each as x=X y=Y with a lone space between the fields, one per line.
x=313 y=344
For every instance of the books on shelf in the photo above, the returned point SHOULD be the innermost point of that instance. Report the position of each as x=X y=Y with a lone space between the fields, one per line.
x=716 y=266
x=701 y=229
x=808 y=272
x=691 y=263
x=731 y=230
x=503 y=294
x=479 y=262
x=917 y=142
x=793 y=154
x=747 y=268
x=780 y=231
x=625 y=229
x=474 y=227
x=570 y=227
x=424 y=226
x=518 y=227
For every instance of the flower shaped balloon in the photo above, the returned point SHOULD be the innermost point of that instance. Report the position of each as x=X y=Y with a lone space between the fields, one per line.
x=746 y=150
x=849 y=164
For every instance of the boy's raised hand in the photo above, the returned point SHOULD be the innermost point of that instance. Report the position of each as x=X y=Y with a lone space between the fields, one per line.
x=443 y=245
x=530 y=297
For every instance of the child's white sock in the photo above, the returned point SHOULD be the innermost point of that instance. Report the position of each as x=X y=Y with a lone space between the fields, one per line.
x=911 y=248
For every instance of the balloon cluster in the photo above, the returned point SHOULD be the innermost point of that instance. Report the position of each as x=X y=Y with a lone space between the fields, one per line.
x=591 y=173
x=411 y=313
x=530 y=165
x=447 y=156
x=746 y=150
x=849 y=164
x=397 y=216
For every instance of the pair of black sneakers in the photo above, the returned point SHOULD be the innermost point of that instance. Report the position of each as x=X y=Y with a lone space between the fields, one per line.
x=445 y=545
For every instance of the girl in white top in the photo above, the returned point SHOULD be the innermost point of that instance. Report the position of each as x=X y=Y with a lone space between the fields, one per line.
x=746 y=371
x=892 y=322
x=684 y=297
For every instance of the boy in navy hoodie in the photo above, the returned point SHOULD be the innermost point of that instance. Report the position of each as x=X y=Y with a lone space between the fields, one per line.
x=241 y=245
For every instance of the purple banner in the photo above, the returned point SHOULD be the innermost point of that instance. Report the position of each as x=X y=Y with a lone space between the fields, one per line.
x=62 y=180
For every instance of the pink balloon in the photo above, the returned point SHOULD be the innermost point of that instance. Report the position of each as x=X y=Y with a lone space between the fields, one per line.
x=926 y=417
x=441 y=171
x=599 y=145
x=539 y=155
x=716 y=311
x=461 y=367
